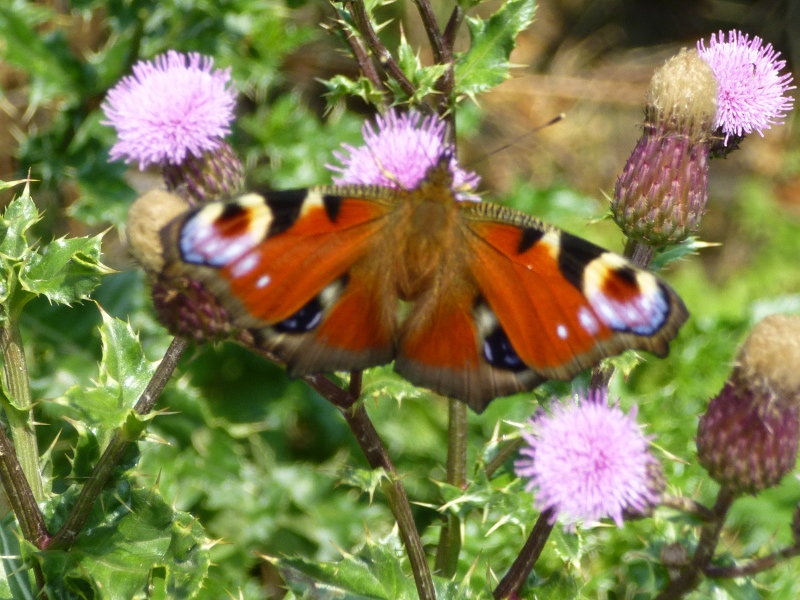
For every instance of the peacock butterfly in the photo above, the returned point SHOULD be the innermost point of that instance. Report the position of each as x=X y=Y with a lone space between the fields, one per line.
x=470 y=299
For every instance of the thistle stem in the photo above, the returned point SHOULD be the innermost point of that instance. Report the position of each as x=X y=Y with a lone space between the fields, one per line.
x=525 y=561
x=755 y=566
x=689 y=506
x=689 y=576
x=19 y=410
x=375 y=452
x=507 y=450
x=20 y=495
x=449 y=546
x=382 y=54
x=639 y=253
x=104 y=468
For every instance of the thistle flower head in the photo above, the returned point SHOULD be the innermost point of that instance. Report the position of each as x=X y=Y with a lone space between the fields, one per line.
x=752 y=91
x=587 y=460
x=663 y=190
x=748 y=438
x=398 y=151
x=174 y=106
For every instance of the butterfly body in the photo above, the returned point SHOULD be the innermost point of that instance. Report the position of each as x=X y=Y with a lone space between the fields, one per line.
x=470 y=299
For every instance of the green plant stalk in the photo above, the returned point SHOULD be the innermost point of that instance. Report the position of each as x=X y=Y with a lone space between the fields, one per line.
x=507 y=450
x=690 y=575
x=19 y=411
x=78 y=515
x=395 y=493
x=20 y=496
x=449 y=547
x=525 y=561
x=375 y=452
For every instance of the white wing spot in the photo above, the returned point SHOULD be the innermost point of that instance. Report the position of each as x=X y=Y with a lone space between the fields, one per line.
x=263 y=281
x=562 y=332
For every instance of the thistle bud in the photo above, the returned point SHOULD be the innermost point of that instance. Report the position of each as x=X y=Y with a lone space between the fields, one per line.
x=215 y=175
x=662 y=192
x=188 y=310
x=747 y=440
x=183 y=305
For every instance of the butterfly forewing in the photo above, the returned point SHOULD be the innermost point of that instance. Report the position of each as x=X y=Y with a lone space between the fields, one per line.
x=573 y=303
x=285 y=266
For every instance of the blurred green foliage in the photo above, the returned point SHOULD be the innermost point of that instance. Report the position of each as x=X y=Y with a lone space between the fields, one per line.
x=249 y=476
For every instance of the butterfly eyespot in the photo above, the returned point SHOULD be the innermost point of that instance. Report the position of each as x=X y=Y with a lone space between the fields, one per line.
x=499 y=352
x=304 y=320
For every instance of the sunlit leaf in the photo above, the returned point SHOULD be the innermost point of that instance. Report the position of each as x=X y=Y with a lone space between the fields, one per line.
x=16 y=581
x=123 y=374
x=486 y=63
x=132 y=537
x=18 y=217
x=66 y=271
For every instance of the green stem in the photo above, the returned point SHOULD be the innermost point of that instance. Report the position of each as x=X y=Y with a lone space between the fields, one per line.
x=20 y=496
x=449 y=546
x=689 y=577
x=507 y=450
x=525 y=561
x=104 y=468
x=639 y=253
x=375 y=452
x=20 y=409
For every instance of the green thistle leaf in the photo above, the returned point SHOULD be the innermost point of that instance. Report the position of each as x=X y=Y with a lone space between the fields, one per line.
x=486 y=63
x=124 y=373
x=134 y=540
x=66 y=271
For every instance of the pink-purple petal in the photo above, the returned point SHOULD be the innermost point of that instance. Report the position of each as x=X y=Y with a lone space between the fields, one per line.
x=398 y=150
x=587 y=460
x=752 y=91
x=168 y=108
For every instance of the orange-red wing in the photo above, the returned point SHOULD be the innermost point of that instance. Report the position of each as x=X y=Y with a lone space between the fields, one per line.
x=273 y=275
x=443 y=335
x=565 y=303
x=537 y=307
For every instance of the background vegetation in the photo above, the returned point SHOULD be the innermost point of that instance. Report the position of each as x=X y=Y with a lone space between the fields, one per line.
x=264 y=465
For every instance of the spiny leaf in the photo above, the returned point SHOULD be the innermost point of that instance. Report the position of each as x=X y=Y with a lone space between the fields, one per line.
x=66 y=271
x=6 y=185
x=366 y=480
x=16 y=582
x=20 y=215
x=374 y=572
x=689 y=246
x=486 y=63
x=341 y=87
x=132 y=535
x=423 y=78
x=123 y=374
x=383 y=381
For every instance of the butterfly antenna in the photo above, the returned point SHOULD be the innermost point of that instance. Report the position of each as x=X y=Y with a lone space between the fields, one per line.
x=517 y=139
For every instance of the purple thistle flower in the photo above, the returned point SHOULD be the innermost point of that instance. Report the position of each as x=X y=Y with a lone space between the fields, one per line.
x=751 y=91
x=587 y=460
x=398 y=153
x=170 y=107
